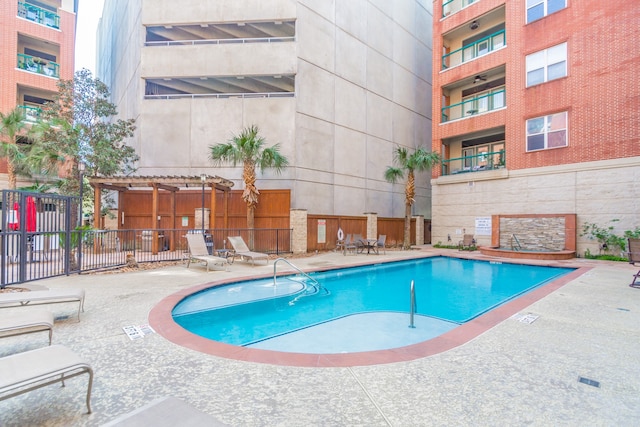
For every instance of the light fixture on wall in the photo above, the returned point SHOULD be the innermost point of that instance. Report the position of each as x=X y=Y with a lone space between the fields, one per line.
x=474 y=25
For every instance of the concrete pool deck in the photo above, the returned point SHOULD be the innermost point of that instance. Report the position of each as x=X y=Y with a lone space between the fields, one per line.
x=515 y=373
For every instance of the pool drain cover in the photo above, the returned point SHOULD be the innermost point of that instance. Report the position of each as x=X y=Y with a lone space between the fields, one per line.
x=526 y=318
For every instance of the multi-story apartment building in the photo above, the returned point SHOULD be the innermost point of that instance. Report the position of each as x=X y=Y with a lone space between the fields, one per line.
x=38 y=42
x=536 y=111
x=339 y=84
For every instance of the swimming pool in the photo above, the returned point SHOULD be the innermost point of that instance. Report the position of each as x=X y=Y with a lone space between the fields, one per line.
x=449 y=292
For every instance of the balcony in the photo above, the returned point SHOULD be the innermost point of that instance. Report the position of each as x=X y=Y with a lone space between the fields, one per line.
x=30 y=114
x=474 y=50
x=476 y=163
x=449 y=7
x=488 y=102
x=38 y=15
x=34 y=64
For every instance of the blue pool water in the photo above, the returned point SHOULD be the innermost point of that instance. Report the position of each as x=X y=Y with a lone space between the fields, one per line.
x=370 y=301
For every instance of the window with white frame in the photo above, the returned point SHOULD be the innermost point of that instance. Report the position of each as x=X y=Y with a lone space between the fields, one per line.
x=547 y=132
x=537 y=9
x=546 y=65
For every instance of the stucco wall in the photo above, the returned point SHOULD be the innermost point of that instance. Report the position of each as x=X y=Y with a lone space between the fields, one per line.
x=596 y=192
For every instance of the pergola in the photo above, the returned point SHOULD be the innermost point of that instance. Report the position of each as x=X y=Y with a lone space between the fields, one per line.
x=167 y=183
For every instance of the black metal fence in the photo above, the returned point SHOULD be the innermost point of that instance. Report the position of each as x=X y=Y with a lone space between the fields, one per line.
x=40 y=239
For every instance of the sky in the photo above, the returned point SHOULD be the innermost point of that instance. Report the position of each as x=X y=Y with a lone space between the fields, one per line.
x=89 y=12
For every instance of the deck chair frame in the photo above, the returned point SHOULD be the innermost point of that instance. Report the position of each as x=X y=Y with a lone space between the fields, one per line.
x=241 y=249
x=30 y=370
x=49 y=296
x=198 y=252
x=634 y=258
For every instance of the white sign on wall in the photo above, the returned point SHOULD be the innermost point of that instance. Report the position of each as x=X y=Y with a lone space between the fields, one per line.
x=483 y=226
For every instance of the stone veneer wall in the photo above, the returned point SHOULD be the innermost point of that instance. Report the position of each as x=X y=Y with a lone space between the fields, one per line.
x=533 y=234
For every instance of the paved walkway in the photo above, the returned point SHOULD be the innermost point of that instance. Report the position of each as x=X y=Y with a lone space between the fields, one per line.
x=513 y=374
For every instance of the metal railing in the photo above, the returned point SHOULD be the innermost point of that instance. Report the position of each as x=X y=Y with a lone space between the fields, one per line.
x=474 y=50
x=473 y=106
x=476 y=163
x=38 y=15
x=220 y=41
x=452 y=6
x=223 y=95
x=38 y=65
x=30 y=114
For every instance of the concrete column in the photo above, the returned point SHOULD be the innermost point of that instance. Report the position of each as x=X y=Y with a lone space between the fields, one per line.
x=298 y=222
x=419 y=229
x=372 y=225
x=198 y=219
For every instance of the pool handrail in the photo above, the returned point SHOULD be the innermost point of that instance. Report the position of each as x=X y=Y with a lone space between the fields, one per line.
x=412 y=308
x=314 y=282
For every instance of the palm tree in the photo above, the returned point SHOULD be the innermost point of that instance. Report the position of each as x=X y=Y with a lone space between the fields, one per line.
x=420 y=160
x=11 y=125
x=248 y=148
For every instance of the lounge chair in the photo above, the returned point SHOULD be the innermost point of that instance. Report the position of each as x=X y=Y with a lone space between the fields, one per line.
x=165 y=411
x=381 y=243
x=49 y=296
x=467 y=242
x=27 y=323
x=23 y=372
x=634 y=257
x=241 y=249
x=198 y=251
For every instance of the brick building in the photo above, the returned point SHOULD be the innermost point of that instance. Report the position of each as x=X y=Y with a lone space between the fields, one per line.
x=38 y=41
x=536 y=110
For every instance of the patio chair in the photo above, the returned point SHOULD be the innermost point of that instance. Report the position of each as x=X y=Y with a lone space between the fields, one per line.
x=349 y=245
x=27 y=323
x=49 y=296
x=241 y=249
x=23 y=372
x=467 y=242
x=634 y=257
x=382 y=241
x=198 y=252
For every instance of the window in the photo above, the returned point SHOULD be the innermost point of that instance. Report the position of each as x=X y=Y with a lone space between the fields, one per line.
x=537 y=9
x=546 y=65
x=547 y=132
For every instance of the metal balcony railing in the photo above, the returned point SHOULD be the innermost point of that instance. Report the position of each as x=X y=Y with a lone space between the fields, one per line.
x=449 y=7
x=477 y=163
x=39 y=15
x=474 y=50
x=30 y=114
x=220 y=41
x=470 y=107
x=38 y=65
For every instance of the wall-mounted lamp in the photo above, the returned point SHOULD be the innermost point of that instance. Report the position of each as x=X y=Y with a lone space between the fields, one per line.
x=474 y=25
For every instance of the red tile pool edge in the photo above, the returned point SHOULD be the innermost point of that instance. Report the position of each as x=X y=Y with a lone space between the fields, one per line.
x=162 y=322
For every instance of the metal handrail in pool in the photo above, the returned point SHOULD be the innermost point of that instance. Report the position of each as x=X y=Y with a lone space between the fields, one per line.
x=412 y=308
x=316 y=285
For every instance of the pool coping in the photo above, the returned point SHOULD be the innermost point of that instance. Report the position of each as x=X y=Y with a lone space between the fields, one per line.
x=162 y=322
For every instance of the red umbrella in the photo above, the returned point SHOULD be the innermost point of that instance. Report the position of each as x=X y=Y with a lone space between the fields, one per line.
x=31 y=215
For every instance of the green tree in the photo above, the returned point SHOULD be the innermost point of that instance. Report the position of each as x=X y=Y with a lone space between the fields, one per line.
x=419 y=160
x=79 y=125
x=12 y=125
x=249 y=149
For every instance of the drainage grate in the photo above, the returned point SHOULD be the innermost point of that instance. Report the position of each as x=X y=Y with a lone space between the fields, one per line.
x=623 y=309
x=137 y=332
x=526 y=318
x=587 y=381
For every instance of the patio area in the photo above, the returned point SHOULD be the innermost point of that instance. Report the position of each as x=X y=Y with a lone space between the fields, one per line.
x=515 y=373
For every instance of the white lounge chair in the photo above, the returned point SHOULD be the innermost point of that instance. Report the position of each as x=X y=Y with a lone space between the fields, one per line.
x=27 y=323
x=23 y=372
x=241 y=249
x=49 y=296
x=165 y=411
x=198 y=251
